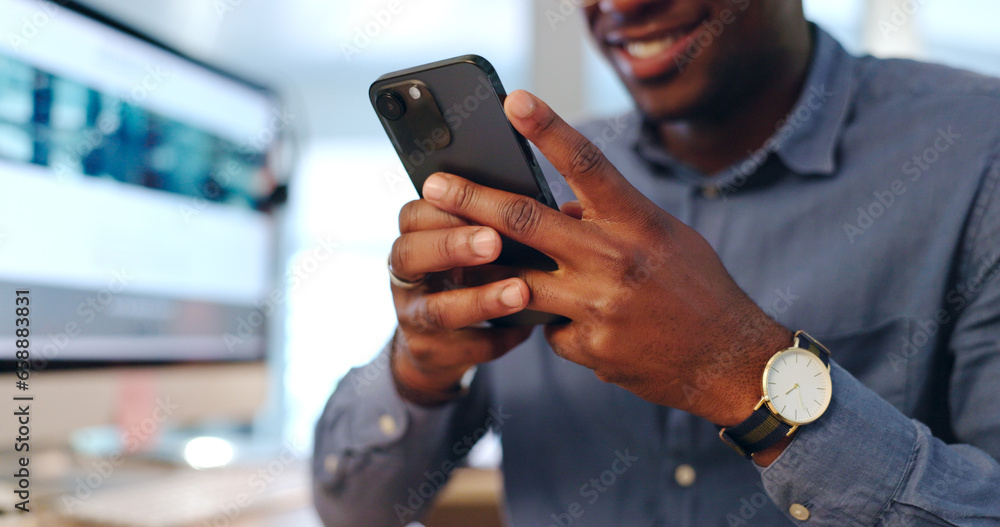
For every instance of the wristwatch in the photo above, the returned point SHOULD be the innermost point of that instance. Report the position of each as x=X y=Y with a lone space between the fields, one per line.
x=797 y=390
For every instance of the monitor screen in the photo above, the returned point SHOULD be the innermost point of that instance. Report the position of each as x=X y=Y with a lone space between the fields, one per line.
x=133 y=196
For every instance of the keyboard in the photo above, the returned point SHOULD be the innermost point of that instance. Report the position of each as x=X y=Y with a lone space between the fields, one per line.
x=196 y=497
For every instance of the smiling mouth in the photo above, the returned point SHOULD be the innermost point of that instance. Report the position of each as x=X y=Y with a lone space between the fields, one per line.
x=651 y=47
x=652 y=53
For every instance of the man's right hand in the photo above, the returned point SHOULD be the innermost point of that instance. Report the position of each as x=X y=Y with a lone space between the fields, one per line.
x=441 y=333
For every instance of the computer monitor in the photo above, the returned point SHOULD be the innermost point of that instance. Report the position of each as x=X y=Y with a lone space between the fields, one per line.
x=137 y=211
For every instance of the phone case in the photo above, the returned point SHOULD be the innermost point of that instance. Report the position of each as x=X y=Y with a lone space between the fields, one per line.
x=465 y=132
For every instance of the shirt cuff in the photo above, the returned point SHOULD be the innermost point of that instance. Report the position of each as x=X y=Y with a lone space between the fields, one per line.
x=845 y=468
x=364 y=419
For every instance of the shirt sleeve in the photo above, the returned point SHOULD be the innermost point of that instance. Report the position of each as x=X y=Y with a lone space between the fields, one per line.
x=865 y=463
x=378 y=459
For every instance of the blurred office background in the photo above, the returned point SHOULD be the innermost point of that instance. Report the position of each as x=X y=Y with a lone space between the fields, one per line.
x=321 y=55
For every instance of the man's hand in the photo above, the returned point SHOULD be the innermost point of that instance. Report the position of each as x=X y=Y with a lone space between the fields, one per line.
x=652 y=308
x=437 y=339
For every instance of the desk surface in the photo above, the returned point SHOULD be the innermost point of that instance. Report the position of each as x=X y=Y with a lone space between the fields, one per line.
x=471 y=497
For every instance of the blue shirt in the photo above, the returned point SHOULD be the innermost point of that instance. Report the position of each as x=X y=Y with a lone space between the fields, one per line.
x=871 y=219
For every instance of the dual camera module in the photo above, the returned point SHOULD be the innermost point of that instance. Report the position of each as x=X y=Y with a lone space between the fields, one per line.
x=413 y=119
x=391 y=106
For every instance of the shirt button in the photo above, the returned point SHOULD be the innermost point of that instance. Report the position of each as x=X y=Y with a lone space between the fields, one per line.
x=684 y=475
x=387 y=424
x=710 y=192
x=330 y=463
x=799 y=512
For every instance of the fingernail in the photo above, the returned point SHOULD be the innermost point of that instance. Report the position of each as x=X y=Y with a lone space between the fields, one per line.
x=511 y=296
x=483 y=243
x=434 y=187
x=521 y=104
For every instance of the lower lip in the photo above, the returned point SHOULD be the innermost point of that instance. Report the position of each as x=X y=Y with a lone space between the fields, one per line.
x=667 y=61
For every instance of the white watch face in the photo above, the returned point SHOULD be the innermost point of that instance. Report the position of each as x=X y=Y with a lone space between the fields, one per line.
x=797 y=385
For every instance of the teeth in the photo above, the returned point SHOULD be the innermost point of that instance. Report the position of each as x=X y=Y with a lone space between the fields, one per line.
x=644 y=49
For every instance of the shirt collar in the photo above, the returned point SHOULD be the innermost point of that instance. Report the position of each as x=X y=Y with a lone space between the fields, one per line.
x=806 y=140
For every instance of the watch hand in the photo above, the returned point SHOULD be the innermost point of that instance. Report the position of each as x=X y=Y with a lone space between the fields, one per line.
x=792 y=388
x=799 y=393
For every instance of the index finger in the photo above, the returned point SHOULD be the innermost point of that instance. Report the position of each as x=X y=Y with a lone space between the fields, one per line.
x=518 y=217
x=598 y=185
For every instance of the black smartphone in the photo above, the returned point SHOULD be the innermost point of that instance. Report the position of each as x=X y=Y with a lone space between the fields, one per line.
x=448 y=116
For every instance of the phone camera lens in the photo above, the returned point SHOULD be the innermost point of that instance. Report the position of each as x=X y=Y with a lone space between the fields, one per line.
x=390 y=106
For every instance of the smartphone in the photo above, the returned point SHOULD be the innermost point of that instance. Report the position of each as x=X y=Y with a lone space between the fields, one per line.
x=448 y=116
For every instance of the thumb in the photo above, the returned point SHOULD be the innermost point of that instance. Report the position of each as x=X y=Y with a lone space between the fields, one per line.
x=601 y=189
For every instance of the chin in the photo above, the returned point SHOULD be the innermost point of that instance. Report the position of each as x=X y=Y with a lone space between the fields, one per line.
x=661 y=105
x=676 y=98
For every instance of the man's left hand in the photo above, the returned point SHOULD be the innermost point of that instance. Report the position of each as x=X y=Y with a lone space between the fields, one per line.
x=652 y=308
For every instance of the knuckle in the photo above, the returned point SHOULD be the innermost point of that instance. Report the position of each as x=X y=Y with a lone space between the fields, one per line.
x=408 y=216
x=633 y=271
x=463 y=196
x=586 y=158
x=428 y=315
x=522 y=217
x=641 y=265
x=602 y=308
x=445 y=245
x=400 y=253
x=612 y=256
x=476 y=305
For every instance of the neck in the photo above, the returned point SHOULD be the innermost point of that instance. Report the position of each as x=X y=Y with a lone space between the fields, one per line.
x=713 y=143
